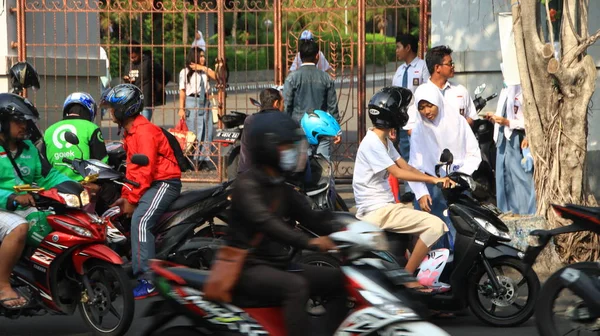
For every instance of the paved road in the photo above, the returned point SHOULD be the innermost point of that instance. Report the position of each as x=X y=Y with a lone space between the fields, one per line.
x=74 y=326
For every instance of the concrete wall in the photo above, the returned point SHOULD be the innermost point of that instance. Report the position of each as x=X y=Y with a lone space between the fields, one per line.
x=470 y=28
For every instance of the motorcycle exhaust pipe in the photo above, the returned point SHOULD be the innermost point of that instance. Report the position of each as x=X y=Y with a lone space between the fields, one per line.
x=585 y=287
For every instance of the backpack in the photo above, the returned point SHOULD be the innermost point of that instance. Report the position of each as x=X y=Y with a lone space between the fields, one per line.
x=182 y=161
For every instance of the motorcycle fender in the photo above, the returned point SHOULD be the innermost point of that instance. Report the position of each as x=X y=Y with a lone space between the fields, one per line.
x=502 y=250
x=97 y=251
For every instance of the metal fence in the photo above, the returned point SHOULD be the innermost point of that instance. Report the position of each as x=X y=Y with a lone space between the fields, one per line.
x=257 y=39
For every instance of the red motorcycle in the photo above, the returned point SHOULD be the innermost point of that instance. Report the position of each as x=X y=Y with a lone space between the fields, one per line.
x=70 y=267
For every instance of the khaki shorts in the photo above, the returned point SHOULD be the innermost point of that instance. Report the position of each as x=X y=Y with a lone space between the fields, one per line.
x=8 y=222
x=402 y=218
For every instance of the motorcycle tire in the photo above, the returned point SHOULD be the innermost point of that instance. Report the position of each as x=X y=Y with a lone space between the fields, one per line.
x=524 y=313
x=181 y=331
x=544 y=312
x=319 y=259
x=124 y=284
x=233 y=161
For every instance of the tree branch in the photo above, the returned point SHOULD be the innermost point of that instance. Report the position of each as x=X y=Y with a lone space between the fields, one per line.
x=577 y=36
x=581 y=48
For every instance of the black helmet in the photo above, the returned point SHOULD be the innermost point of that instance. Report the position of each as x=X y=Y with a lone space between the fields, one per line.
x=23 y=76
x=15 y=107
x=268 y=130
x=387 y=108
x=126 y=99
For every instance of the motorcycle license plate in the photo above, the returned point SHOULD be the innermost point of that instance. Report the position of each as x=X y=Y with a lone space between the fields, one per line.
x=227 y=135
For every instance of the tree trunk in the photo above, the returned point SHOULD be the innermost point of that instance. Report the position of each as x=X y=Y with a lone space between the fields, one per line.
x=556 y=96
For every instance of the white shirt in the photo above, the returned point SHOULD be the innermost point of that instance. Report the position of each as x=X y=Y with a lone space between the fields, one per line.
x=513 y=98
x=417 y=74
x=193 y=87
x=322 y=64
x=370 y=181
x=456 y=99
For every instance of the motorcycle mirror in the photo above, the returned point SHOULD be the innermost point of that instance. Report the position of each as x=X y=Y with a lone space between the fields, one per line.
x=140 y=159
x=480 y=89
x=71 y=138
x=446 y=156
x=255 y=102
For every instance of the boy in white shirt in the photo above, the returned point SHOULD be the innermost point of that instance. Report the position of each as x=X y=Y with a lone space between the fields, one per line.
x=375 y=161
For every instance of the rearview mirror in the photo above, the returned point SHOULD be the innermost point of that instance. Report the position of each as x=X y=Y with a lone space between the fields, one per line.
x=255 y=102
x=140 y=159
x=480 y=89
x=446 y=156
x=71 y=138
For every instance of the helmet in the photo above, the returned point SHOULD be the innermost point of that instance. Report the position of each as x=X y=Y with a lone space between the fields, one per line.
x=126 y=99
x=387 y=108
x=15 y=107
x=319 y=124
x=269 y=130
x=86 y=104
x=23 y=76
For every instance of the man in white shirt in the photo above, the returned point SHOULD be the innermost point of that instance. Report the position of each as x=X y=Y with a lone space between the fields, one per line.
x=375 y=161
x=409 y=75
x=456 y=97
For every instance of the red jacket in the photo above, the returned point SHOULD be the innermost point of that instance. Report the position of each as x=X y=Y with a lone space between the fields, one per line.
x=146 y=138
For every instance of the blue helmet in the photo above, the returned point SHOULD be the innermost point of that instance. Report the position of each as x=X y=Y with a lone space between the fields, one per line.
x=319 y=123
x=127 y=100
x=85 y=101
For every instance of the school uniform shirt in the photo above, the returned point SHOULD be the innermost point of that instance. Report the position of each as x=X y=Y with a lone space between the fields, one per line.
x=456 y=99
x=511 y=98
x=193 y=87
x=322 y=64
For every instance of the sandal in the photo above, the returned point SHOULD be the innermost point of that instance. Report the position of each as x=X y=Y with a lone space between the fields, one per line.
x=15 y=307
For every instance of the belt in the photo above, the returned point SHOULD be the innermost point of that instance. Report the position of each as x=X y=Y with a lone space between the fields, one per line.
x=196 y=95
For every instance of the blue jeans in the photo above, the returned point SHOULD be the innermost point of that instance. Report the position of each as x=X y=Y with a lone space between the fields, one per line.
x=198 y=118
x=438 y=206
x=147 y=112
x=151 y=207
x=404 y=149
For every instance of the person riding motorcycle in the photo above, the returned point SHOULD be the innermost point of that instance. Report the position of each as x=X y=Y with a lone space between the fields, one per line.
x=265 y=208
x=160 y=180
x=79 y=113
x=20 y=163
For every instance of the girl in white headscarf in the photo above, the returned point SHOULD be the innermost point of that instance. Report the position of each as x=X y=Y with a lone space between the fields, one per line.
x=514 y=181
x=199 y=41
x=436 y=130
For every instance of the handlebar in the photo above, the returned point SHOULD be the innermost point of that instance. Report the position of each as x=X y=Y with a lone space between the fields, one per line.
x=66 y=160
x=133 y=183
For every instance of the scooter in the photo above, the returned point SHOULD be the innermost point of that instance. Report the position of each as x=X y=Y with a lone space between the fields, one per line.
x=377 y=306
x=67 y=265
x=484 y=133
x=191 y=215
x=231 y=136
x=581 y=279
x=482 y=266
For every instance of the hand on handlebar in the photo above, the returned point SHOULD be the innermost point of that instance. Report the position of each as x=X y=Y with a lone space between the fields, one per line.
x=324 y=244
x=25 y=200
x=127 y=208
x=445 y=182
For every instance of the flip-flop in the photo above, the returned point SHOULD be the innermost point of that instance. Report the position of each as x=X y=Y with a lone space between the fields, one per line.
x=15 y=307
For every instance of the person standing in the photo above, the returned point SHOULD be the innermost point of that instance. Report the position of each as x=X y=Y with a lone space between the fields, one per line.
x=309 y=89
x=409 y=75
x=322 y=63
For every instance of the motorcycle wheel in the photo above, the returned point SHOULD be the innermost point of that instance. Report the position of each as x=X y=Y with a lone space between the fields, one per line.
x=319 y=259
x=480 y=290
x=109 y=283
x=549 y=321
x=181 y=331
x=340 y=205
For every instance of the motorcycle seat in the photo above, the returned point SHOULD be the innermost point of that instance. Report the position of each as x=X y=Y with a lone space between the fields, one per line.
x=192 y=196
x=580 y=208
x=196 y=278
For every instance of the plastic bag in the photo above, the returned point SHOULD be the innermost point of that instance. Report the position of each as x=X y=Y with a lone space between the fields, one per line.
x=184 y=136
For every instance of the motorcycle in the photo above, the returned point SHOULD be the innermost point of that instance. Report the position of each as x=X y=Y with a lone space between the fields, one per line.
x=581 y=280
x=376 y=306
x=68 y=266
x=191 y=215
x=480 y=265
x=231 y=136
x=484 y=133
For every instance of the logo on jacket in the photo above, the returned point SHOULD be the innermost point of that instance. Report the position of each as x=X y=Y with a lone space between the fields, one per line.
x=58 y=137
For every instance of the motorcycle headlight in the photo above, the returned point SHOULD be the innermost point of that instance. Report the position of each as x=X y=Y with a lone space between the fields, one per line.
x=489 y=227
x=71 y=200
x=85 y=198
x=389 y=307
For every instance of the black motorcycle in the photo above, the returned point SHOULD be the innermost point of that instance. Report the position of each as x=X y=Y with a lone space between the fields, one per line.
x=192 y=214
x=574 y=289
x=231 y=135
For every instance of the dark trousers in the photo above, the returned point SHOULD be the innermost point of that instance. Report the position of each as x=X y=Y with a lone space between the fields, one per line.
x=292 y=289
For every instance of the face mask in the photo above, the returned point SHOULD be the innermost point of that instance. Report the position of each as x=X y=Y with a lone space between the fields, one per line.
x=288 y=159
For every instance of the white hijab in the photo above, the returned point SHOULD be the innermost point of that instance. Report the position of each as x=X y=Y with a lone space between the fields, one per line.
x=448 y=130
x=199 y=42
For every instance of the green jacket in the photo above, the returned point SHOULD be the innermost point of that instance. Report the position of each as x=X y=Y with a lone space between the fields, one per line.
x=91 y=143
x=34 y=169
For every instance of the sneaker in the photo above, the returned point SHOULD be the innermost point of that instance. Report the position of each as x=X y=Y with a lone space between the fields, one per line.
x=143 y=290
